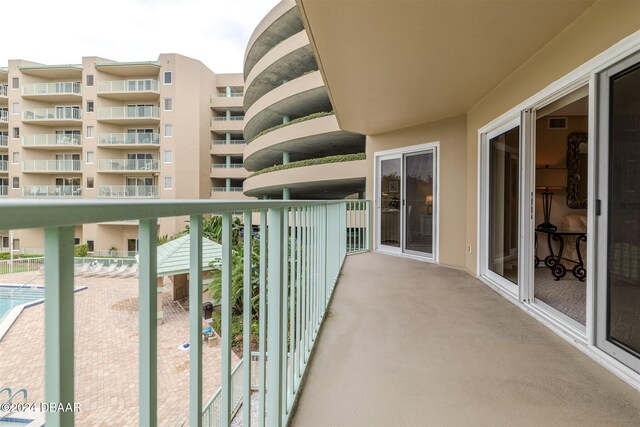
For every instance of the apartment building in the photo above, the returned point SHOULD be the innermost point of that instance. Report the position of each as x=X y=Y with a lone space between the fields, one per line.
x=165 y=129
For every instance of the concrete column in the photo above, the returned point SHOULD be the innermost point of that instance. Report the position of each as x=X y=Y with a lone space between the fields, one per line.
x=285 y=119
x=228 y=160
x=228 y=184
x=361 y=195
x=285 y=158
x=228 y=114
x=228 y=91
x=286 y=193
x=227 y=138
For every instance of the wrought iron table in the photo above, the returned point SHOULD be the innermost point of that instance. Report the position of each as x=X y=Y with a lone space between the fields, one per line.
x=554 y=260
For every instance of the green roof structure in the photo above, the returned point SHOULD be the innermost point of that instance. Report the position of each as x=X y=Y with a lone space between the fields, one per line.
x=173 y=256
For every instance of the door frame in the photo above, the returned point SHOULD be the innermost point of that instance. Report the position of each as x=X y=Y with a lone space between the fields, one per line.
x=400 y=153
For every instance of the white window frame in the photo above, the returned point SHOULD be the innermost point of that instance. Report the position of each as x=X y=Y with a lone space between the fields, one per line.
x=90 y=158
x=164 y=78
x=164 y=182
x=169 y=134
x=170 y=155
x=89 y=131
x=164 y=104
x=15 y=108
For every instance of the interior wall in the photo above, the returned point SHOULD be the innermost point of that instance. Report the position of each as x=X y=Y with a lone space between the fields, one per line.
x=451 y=133
x=597 y=29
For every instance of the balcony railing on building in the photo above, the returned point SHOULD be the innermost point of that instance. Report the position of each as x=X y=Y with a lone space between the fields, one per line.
x=129 y=139
x=302 y=247
x=145 y=112
x=227 y=189
x=229 y=94
x=227 y=165
x=227 y=118
x=51 y=140
x=4 y=190
x=51 y=166
x=128 y=191
x=51 y=191
x=4 y=91
x=141 y=85
x=57 y=88
x=227 y=142
x=128 y=165
x=4 y=165
x=58 y=113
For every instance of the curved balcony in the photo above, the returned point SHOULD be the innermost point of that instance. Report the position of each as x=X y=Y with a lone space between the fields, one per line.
x=53 y=92
x=129 y=115
x=130 y=90
x=128 y=165
x=297 y=98
x=289 y=60
x=227 y=124
x=58 y=116
x=318 y=137
x=52 y=141
x=128 y=191
x=51 y=191
x=280 y=23
x=129 y=140
x=51 y=166
x=223 y=170
x=235 y=147
x=227 y=193
x=320 y=181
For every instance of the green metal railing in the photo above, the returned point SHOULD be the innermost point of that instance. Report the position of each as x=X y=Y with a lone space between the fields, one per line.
x=302 y=245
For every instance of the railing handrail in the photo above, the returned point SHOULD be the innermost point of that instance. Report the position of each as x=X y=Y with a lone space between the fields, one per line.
x=123 y=191
x=225 y=142
x=129 y=138
x=51 y=165
x=227 y=190
x=46 y=190
x=57 y=113
x=225 y=118
x=148 y=85
x=228 y=166
x=51 y=139
x=129 y=164
x=126 y=112
x=52 y=88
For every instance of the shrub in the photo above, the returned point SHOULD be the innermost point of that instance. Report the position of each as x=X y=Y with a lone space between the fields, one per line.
x=313 y=162
x=81 y=250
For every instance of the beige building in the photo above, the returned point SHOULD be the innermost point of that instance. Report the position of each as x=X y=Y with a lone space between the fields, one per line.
x=165 y=129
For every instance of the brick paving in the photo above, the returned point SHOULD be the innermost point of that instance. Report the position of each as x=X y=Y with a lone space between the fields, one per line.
x=106 y=354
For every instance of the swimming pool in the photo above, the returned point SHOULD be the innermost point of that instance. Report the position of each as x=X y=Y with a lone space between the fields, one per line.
x=13 y=296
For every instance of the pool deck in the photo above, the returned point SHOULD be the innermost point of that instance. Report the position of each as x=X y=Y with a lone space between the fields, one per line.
x=106 y=348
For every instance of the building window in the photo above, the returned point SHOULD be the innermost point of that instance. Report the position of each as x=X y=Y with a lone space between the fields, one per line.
x=15 y=83
x=15 y=134
x=16 y=244
x=89 y=106
x=90 y=244
x=15 y=157
x=168 y=77
x=168 y=183
x=89 y=79
x=89 y=157
x=89 y=131
x=89 y=182
x=168 y=156
x=168 y=130
x=15 y=182
x=15 y=108
x=168 y=104
x=76 y=240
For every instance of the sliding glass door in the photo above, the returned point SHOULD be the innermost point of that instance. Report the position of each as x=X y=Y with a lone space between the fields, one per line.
x=618 y=213
x=406 y=202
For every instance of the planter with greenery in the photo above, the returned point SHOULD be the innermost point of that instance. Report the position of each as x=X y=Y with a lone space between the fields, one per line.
x=293 y=122
x=313 y=162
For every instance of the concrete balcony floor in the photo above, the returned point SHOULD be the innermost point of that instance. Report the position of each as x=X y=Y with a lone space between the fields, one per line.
x=407 y=343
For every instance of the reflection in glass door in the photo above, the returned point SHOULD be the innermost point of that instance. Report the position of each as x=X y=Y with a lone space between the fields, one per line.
x=503 y=211
x=419 y=207
x=390 y=190
x=618 y=222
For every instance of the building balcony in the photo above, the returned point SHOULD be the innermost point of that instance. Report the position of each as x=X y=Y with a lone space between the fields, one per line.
x=223 y=100
x=128 y=191
x=51 y=166
x=129 y=140
x=130 y=90
x=128 y=165
x=226 y=189
x=51 y=191
x=4 y=166
x=4 y=91
x=4 y=116
x=52 y=141
x=223 y=170
x=4 y=190
x=59 y=116
x=53 y=92
x=234 y=147
x=4 y=140
x=129 y=115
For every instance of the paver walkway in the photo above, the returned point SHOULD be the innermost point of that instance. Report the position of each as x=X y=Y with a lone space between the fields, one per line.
x=106 y=355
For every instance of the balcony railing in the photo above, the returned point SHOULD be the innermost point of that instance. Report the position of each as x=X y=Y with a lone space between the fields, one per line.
x=4 y=190
x=51 y=140
x=4 y=165
x=307 y=245
x=51 y=166
x=229 y=95
x=128 y=165
x=4 y=90
x=227 y=189
x=3 y=140
x=51 y=191
x=227 y=119
x=227 y=166
x=225 y=142
x=58 y=88
x=4 y=116
x=126 y=191
x=115 y=86
x=129 y=138
x=52 y=114
x=129 y=113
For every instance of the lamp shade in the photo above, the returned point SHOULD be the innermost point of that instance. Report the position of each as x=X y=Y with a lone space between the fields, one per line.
x=551 y=178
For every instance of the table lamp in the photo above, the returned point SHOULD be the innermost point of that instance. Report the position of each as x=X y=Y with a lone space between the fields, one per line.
x=548 y=179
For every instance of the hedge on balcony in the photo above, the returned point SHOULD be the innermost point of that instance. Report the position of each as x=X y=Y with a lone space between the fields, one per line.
x=313 y=162
x=293 y=122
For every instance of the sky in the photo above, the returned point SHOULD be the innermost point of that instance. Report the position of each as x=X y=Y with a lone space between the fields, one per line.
x=63 y=31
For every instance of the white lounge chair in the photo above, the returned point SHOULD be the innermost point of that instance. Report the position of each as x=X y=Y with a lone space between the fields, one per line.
x=96 y=270
x=119 y=271
x=133 y=271
x=108 y=271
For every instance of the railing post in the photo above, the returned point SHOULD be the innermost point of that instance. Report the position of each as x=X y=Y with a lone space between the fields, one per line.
x=195 y=321
x=147 y=318
x=225 y=403
x=58 y=313
x=262 y=327
x=275 y=318
x=246 y=322
x=285 y=295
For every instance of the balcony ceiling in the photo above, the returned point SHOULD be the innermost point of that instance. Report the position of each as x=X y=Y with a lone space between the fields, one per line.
x=53 y=71
x=394 y=64
x=130 y=69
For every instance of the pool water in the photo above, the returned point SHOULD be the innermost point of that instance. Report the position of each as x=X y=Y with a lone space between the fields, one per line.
x=12 y=296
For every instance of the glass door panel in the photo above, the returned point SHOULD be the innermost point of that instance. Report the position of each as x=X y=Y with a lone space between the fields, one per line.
x=504 y=182
x=419 y=203
x=389 y=202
